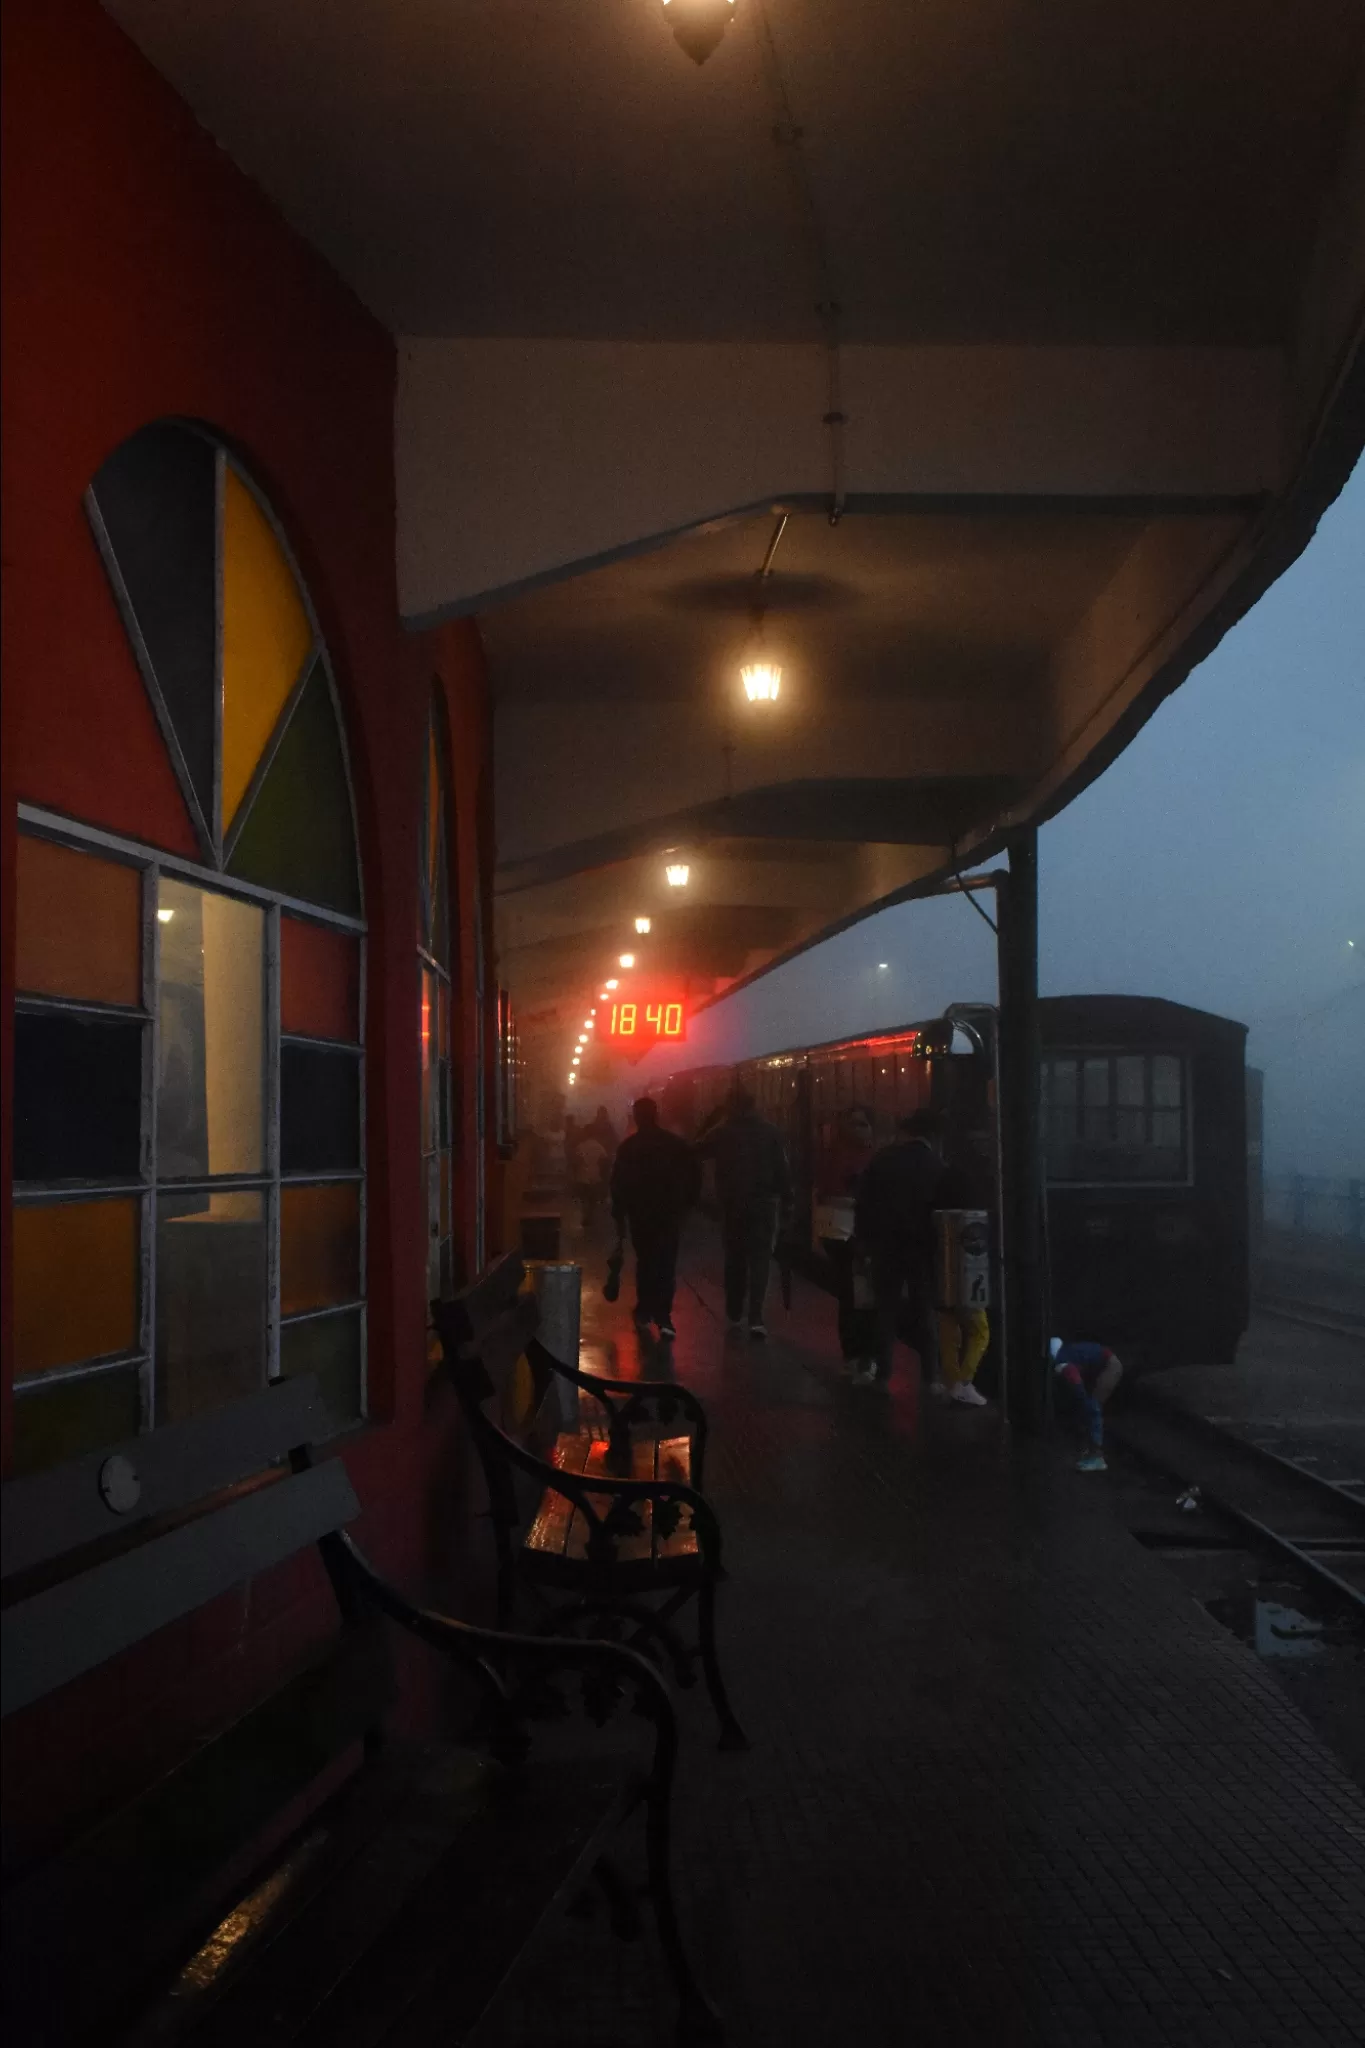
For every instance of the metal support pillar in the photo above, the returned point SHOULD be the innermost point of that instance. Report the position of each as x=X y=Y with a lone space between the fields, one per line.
x=1027 y=1381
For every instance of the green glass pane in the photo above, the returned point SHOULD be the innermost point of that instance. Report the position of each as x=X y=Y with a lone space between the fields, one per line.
x=298 y=836
x=157 y=499
x=329 y=1348
x=67 y=1418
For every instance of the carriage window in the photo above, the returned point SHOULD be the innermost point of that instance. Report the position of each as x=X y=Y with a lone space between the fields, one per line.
x=1115 y=1117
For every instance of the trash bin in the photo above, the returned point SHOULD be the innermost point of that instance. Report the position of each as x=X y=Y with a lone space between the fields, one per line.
x=540 y=1237
x=558 y=1287
x=962 y=1258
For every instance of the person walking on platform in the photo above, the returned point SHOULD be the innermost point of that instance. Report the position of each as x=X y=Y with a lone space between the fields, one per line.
x=900 y=1189
x=1086 y=1376
x=654 y=1182
x=591 y=1167
x=754 y=1184
x=839 y=1168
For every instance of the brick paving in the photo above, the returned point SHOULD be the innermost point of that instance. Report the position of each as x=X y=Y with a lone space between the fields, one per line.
x=1008 y=1782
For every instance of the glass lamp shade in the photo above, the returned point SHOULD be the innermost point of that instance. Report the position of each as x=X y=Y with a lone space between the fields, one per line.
x=698 y=25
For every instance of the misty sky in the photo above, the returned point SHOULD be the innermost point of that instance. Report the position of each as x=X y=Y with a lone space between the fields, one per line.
x=1220 y=862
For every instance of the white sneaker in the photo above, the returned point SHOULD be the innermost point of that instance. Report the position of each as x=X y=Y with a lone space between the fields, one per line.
x=864 y=1376
x=966 y=1393
x=758 y=1331
x=939 y=1389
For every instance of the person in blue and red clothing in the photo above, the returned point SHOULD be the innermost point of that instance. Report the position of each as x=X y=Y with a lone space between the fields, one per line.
x=1086 y=1376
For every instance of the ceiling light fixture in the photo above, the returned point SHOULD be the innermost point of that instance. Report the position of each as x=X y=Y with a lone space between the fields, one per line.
x=676 y=875
x=627 y=960
x=698 y=25
x=165 y=916
x=613 y=984
x=642 y=925
x=762 y=680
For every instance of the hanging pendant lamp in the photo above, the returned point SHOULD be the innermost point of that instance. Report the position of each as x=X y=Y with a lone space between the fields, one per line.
x=698 y=25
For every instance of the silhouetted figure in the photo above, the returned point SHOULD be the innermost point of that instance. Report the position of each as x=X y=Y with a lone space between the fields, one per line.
x=754 y=1184
x=604 y=1131
x=900 y=1189
x=655 y=1181
x=838 y=1170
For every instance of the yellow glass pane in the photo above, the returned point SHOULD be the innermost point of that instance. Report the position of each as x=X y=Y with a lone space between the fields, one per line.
x=266 y=638
x=75 y=1282
x=319 y=1246
x=78 y=925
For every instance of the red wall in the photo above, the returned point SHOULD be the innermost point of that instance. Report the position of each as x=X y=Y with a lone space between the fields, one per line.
x=145 y=276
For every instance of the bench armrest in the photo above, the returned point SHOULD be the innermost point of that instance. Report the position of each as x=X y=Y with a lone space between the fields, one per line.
x=509 y=1670
x=630 y=1401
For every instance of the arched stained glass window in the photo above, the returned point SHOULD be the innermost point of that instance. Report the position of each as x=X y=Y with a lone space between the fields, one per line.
x=188 y=1144
x=433 y=959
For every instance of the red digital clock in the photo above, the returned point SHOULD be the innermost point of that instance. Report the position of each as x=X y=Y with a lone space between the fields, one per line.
x=633 y=1024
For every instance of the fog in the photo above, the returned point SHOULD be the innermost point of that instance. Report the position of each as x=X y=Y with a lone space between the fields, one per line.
x=1219 y=862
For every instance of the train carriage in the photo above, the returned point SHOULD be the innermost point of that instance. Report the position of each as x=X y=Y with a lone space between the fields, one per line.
x=1144 y=1144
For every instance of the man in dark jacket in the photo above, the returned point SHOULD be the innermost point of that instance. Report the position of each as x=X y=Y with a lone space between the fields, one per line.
x=654 y=1182
x=754 y=1184
x=901 y=1187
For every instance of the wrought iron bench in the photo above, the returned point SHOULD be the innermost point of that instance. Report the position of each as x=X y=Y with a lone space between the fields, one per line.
x=611 y=1520
x=395 y=1909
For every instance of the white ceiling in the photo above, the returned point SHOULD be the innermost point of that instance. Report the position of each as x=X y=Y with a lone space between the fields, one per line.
x=1064 y=172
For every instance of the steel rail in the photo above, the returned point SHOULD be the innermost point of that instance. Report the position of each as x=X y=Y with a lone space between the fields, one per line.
x=1230 y=1440
x=1294 y=1552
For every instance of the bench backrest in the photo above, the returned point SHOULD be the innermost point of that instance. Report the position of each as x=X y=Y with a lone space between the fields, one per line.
x=97 y=1556
x=484 y=1333
x=100 y=1553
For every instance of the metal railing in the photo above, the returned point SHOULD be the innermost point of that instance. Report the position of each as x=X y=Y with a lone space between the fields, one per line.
x=1316 y=1204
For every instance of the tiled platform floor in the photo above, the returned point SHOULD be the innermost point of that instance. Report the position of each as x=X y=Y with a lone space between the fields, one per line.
x=1008 y=1782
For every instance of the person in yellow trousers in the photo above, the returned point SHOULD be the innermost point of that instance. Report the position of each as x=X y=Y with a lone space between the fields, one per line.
x=963 y=1335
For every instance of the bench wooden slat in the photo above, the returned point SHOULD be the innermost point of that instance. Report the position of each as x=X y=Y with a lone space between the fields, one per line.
x=51 y=1513
x=549 y=1531
x=82 y=1622
x=449 y=1956
x=87 y=1928
x=674 y=1458
x=422 y=1802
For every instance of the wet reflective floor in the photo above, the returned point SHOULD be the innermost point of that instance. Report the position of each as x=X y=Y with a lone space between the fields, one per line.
x=1012 y=1779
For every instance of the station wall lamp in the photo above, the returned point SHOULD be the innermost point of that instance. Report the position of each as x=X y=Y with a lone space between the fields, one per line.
x=698 y=25
x=642 y=925
x=676 y=874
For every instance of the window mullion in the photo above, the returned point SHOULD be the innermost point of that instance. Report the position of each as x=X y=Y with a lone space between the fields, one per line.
x=272 y=1142
x=151 y=978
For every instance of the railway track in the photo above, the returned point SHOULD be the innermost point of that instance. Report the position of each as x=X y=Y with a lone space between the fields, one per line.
x=1313 y=1522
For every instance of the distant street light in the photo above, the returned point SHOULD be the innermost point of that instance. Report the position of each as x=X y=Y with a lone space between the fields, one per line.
x=676 y=875
x=642 y=925
x=627 y=960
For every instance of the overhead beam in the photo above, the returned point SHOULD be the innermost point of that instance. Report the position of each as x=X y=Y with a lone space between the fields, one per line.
x=523 y=461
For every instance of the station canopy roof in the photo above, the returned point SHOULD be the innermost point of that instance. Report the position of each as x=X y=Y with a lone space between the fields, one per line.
x=1099 y=278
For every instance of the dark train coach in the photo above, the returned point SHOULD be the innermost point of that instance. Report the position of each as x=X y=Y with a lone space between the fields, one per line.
x=1144 y=1144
